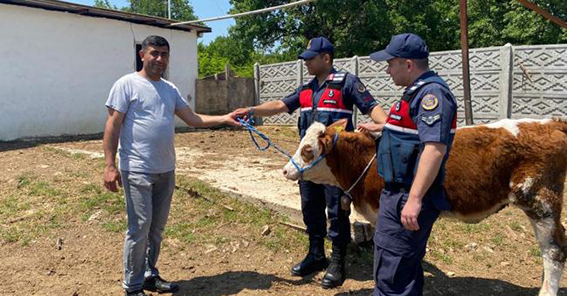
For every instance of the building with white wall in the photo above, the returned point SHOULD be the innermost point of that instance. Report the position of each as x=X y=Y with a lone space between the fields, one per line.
x=59 y=60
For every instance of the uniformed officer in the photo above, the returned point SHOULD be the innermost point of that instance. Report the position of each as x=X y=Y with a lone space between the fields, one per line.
x=414 y=147
x=327 y=98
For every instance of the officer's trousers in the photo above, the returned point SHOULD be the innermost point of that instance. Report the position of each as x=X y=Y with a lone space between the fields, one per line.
x=398 y=252
x=314 y=199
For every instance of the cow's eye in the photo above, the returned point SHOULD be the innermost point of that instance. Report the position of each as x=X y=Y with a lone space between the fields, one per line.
x=307 y=153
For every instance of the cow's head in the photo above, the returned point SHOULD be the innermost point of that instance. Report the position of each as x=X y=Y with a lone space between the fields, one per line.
x=318 y=140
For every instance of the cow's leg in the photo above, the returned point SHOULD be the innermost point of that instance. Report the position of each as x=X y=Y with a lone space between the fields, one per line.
x=542 y=204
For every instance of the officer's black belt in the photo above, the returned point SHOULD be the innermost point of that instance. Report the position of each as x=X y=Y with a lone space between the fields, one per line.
x=397 y=187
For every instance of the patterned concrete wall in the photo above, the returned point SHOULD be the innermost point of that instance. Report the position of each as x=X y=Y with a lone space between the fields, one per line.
x=540 y=81
x=506 y=82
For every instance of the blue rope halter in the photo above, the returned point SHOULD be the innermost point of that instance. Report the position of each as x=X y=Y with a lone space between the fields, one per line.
x=251 y=129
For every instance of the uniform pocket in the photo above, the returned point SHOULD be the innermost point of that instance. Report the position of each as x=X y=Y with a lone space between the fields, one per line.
x=387 y=267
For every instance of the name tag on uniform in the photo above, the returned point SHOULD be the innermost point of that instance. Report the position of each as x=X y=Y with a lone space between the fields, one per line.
x=396 y=117
x=333 y=102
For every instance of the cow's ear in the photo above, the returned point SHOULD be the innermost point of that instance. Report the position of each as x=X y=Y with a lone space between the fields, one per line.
x=338 y=126
x=325 y=143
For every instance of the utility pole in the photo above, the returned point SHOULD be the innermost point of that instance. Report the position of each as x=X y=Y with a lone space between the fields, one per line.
x=169 y=9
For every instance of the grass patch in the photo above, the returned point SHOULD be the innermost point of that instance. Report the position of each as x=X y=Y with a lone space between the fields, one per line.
x=114 y=226
x=97 y=198
x=447 y=259
x=211 y=213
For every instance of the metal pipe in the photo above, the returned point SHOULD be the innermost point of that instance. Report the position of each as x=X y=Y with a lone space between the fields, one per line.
x=245 y=13
x=544 y=13
x=466 y=69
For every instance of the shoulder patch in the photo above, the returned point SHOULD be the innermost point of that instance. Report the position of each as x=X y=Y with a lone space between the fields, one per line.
x=429 y=102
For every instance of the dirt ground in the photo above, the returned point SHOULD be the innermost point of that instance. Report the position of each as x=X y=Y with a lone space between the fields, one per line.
x=62 y=234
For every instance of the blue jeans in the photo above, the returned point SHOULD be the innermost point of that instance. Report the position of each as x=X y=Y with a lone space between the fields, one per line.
x=148 y=200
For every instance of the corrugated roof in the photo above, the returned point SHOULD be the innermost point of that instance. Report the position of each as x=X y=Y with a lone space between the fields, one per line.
x=107 y=13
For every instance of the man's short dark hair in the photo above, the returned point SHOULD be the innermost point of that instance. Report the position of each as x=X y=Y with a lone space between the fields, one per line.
x=422 y=64
x=154 y=40
x=330 y=53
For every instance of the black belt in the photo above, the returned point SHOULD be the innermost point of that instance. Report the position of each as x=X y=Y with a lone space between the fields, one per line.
x=399 y=187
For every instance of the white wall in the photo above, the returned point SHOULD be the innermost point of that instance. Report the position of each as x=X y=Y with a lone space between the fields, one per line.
x=56 y=69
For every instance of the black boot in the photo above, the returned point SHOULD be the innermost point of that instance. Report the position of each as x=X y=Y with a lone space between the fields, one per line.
x=335 y=275
x=314 y=261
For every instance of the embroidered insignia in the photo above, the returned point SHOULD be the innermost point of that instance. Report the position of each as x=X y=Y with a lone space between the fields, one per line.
x=429 y=102
x=338 y=128
x=361 y=88
x=430 y=120
x=331 y=94
x=396 y=117
x=330 y=102
x=398 y=106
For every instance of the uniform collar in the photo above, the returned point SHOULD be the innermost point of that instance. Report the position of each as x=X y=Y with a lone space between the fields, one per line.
x=419 y=81
x=315 y=83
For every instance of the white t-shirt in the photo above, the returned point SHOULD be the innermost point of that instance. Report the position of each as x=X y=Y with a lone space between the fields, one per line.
x=146 y=137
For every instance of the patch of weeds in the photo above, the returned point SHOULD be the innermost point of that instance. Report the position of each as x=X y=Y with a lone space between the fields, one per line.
x=11 y=234
x=442 y=257
x=114 y=226
x=24 y=180
x=11 y=206
x=535 y=251
x=98 y=198
x=55 y=150
x=43 y=188
x=516 y=226
x=78 y=156
x=498 y=239
x=475 y=228
x=182 y=231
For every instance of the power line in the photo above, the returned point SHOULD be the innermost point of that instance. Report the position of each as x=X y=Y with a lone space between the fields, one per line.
x=245 y=13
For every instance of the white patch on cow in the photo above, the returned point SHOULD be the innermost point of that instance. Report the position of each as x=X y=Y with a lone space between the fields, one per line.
x=527 y=185
x=367 y=212
x=552 y=269
x=321 y=172
x=511 y=125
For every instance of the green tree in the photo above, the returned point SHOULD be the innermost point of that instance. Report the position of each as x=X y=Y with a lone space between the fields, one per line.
x=105 y=4
x=181 y=10
x=358 y=27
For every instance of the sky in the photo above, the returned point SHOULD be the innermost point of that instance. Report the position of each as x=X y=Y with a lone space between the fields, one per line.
x=203 y=9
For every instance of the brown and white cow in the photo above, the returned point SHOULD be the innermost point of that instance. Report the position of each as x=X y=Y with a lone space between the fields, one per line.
x=519 y=162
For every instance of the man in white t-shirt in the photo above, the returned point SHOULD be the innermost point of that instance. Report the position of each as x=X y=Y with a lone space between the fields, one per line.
x=141 y=112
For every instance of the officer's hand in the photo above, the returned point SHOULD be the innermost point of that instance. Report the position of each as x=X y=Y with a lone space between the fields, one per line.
x=370 y=127
x=111 y=177
x=242 y=113
x=410 y=213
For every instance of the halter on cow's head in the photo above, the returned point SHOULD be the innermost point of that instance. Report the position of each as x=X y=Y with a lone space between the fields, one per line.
x=309 y=162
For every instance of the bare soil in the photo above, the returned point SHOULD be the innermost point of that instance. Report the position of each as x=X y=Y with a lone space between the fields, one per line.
x=62 y=234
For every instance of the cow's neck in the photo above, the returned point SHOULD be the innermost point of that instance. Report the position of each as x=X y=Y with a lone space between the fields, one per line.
x=354 y=151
